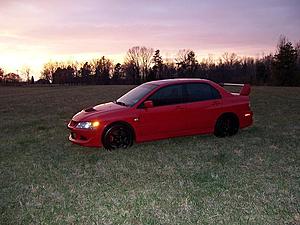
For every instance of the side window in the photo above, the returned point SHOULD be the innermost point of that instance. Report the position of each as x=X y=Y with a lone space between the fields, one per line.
x=169 y=95
x=201 y=92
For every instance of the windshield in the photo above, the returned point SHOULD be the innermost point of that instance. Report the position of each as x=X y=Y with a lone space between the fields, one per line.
x=135 y=95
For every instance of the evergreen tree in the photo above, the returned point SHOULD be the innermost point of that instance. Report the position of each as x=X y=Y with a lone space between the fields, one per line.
x=86 y=72
x=156 y=72
x=285 y=64
x=117 y=73
x=103 y=70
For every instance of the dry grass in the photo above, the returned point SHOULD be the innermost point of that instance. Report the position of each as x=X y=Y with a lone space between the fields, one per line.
x=251 y=178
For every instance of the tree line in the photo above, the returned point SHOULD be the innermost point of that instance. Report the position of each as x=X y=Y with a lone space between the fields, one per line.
x=142 y=64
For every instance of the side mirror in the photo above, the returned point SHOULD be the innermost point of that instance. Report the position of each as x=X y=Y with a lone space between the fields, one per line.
x=148 y=104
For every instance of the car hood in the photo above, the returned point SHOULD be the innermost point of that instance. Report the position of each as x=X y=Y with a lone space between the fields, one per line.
x=98 y=110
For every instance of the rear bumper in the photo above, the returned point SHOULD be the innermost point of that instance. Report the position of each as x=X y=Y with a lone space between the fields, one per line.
x=246 y=119
x=88 y=138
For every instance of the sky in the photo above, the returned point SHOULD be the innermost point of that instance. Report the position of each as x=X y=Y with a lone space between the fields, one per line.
x=33 y=32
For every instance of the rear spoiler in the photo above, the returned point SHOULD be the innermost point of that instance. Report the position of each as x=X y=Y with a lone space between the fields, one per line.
x=245 y=90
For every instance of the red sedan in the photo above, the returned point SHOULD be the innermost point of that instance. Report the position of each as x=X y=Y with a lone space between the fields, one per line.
x=163 y=109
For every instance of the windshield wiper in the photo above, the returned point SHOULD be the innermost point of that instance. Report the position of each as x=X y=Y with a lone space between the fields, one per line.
x=120 y=103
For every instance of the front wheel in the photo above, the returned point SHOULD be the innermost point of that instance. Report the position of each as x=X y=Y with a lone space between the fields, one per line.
x=117 y=136
x=227 y=125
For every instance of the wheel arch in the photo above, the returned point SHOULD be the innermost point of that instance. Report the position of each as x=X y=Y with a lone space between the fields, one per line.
x=229 y=131
x=229 y=114
x=119 y=122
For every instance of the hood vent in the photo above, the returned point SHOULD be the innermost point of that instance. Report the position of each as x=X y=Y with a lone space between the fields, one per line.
x=90 y=109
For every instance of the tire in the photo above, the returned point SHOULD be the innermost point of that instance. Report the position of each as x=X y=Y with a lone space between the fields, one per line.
x=226 y=125
x=117 y=136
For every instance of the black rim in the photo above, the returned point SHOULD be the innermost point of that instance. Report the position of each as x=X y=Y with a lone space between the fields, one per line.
x=118 y=137
x=226 y=126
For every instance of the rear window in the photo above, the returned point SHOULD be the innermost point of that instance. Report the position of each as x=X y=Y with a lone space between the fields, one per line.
x=201 y=92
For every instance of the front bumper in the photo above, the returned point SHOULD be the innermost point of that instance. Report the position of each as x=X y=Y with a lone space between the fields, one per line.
x=83 y=137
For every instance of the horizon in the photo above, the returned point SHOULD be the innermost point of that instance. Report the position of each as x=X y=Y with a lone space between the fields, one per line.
x=36 y=32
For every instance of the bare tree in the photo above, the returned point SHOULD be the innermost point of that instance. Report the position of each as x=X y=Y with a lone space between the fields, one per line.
x=210 y=61
x=186 y=57
x=25 y=71
x=207 y=65
x=187 y=63
x=230 y=59
x=141 y=58
x=182 y=55
x=48 y=70
x=146 y=56
x=281 y=42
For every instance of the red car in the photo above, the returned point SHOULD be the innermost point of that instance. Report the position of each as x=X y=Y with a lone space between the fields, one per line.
x=163 y=109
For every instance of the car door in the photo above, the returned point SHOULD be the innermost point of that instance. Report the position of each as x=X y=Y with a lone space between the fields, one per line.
x=203 y=106
x=167 y=116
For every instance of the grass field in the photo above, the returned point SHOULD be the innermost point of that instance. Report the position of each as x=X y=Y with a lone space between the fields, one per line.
x=251 y=178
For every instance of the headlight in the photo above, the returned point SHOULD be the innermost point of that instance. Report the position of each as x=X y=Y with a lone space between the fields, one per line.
x=88 y=125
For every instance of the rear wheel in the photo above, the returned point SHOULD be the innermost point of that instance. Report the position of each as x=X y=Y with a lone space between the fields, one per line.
x=227 y=125
x=117 y=136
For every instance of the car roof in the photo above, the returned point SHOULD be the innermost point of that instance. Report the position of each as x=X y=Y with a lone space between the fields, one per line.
x=177 y=81
x=162 y=83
